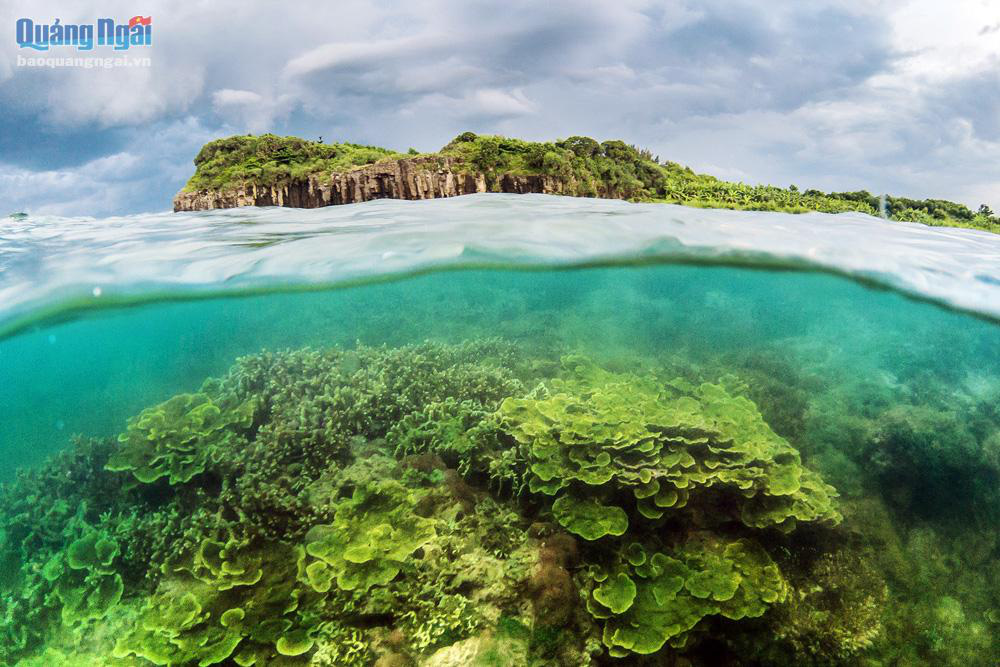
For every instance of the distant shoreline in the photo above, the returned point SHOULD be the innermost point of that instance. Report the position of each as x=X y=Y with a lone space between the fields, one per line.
x=268 y=170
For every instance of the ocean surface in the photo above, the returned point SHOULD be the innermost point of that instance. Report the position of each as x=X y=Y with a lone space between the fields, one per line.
x=475 y=382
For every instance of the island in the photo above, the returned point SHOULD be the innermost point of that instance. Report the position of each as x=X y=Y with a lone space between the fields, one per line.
x=270 y=170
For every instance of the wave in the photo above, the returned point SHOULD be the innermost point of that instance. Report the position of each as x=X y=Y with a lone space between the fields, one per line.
x=54 y=267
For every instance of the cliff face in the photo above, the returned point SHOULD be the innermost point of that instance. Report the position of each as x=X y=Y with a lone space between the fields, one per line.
x=412 y=178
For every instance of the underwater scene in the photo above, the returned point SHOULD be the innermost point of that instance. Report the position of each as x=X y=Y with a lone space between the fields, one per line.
x=500 y=430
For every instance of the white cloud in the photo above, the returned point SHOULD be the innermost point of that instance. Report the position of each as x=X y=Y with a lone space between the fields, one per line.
x=494 y=102
x=65 y=191
x=229 y=97
x=143 y=177
x=345 y=54
x=248 y=110
x=943 y=41
x=836 y=94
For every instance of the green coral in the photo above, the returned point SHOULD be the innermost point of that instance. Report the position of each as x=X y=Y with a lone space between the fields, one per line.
x=179 y=438
x=593 y=431
x=63 y=588
x=588 y=518
x=462 y=433
x=616 y=593
x=294 y=643
x=835 y=609
x=454 y=585
x=645 y=606
x=221 y=613
x=67 y=501
x=310 y=542
x=223 y=563
x=84 y=577
x=318 y=405
x=341 y=646
x=597 y=440
x=371 y=536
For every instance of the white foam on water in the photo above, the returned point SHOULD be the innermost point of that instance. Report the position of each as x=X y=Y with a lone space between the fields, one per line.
x=51 y=265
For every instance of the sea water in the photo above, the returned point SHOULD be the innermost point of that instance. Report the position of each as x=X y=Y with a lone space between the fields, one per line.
x=435 y=428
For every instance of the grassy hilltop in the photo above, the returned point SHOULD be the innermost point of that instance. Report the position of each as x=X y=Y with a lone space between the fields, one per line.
x=609 y=168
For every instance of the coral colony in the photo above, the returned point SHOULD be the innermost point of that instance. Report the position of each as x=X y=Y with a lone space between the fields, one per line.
x=384 y=505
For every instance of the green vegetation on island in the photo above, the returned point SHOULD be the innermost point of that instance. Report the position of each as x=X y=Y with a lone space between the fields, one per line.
x=583 y=166
x=268 y=159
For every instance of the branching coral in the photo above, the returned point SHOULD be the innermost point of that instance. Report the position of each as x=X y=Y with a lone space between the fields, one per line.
x=367 y=390
x=835 y=612
x=317 y=407
x=462 y=433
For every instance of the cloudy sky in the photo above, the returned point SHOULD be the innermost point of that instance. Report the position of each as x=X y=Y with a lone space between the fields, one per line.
x=896 y=96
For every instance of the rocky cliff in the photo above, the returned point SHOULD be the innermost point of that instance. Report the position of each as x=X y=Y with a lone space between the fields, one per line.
x=412 y=178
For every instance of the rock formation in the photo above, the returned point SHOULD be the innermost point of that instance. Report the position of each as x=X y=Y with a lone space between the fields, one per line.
x=410 y=178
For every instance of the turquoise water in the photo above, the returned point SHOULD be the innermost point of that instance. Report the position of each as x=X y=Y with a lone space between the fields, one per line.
x=410 y=460
x=89 y=375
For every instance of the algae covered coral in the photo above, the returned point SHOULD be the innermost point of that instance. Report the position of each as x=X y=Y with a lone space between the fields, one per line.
x=472 y=503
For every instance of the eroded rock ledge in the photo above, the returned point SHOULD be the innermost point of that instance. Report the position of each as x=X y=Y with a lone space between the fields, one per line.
x=413 y=178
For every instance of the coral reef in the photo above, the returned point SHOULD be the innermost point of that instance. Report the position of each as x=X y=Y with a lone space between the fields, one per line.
x=653 y=598
x=241 y=601
x=595 y=432
x=423 y=506
x=371 y=536
x=834 y=609
x=180 y=437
